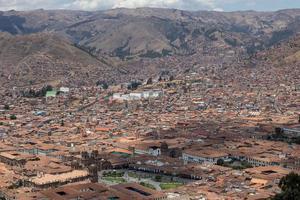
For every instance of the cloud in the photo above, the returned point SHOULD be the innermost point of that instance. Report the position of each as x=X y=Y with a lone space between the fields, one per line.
x=106 y=4
x=218 y=9
x=217 y=5
x=32 y=4
x=180 y=4
x=92 y=4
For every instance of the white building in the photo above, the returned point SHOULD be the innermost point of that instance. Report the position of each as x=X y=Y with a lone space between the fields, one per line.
x=150 y=150
x=203 y=156
x=64 y=89
x=137 y=95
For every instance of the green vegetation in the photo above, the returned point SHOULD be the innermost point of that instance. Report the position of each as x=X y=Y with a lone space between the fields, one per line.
x=235 y=164
x=113 y=174
x=134 y=85
x=243 y=165
x=158 y=178
x=211 y=34
x=220 y=162
x=133 y=175
x=122 y=52
x=279 y=35
x=13 y=117
x=102 y=84
x=231 y=41
x=290 y=186
x=114 y=179
x=148 y=185
x=51 y=93
x=167 y=186
x=280 y=136
x=151 y=54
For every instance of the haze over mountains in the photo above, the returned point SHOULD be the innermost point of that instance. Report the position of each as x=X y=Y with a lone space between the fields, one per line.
x=81 y=48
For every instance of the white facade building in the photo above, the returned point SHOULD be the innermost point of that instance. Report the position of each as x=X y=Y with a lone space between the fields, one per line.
x=137 y=95
x=64 y=89
x=191 y=157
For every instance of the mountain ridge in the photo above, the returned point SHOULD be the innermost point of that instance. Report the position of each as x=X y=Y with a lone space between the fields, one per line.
x=132 y=44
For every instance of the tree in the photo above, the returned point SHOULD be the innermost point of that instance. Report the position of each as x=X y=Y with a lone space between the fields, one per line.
x=150 y=82
x=220 y=162
x=13 y=117
x=102 y=84
x=171 y=78
x=158 y=178
x=133 y=85
x=6 y=107
x=278 y=130
x=290 y=187
x=279 y=134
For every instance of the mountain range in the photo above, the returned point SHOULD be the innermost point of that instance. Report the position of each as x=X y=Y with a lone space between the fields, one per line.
x=64 y=47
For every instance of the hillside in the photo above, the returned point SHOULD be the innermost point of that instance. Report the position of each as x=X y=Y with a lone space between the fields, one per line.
x=45 y=58
x=126 y=44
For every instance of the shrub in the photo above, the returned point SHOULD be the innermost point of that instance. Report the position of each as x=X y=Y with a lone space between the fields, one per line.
x=13 y=117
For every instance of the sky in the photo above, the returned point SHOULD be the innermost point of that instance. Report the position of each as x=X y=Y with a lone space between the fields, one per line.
x=217 y=5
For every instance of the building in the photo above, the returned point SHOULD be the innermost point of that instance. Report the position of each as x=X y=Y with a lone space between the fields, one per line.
x=137 y=95
x=86 y=191
x=64 y=89
x=54 y=180
x=293 y=132
x=15 y=158
x=263 y=160
x=138 y=192
x=203 y=156
x=92 y=191
x=150 y=150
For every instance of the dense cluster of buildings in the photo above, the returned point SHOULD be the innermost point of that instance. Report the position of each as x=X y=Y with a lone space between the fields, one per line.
x=213 y=139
